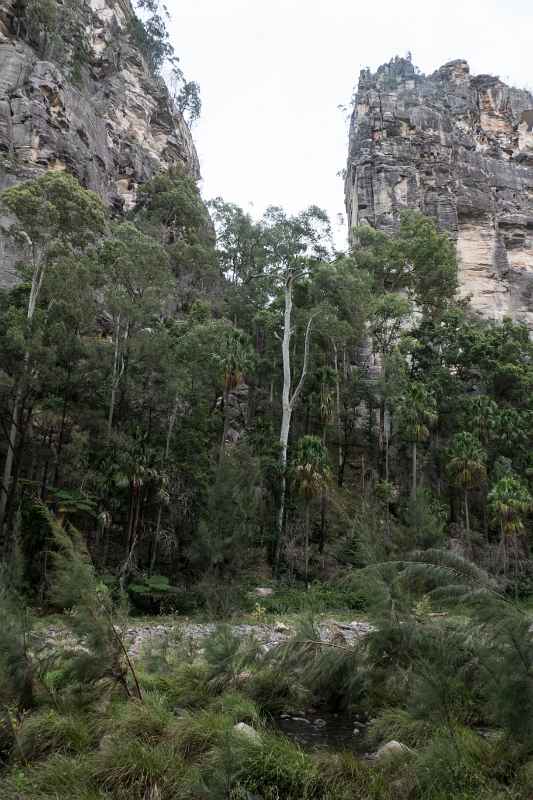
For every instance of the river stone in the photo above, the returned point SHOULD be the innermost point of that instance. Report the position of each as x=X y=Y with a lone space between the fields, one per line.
x=263 y=591
x=391 y=748
x=246 y=730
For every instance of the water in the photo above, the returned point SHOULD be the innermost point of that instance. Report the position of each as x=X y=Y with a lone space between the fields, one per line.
x=324 y=731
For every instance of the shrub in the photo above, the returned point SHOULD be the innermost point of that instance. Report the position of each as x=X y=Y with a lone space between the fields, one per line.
x=227 y=655
x=319 y=598
x=274 y=689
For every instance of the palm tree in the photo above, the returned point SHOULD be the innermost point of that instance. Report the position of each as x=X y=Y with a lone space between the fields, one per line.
x=234 y=357
x=312 y=475
x=417 y=414
x=466 y=467
x=509 y=503
x=480 y=415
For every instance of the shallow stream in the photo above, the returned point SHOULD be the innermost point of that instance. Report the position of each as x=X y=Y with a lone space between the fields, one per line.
x=325 y=731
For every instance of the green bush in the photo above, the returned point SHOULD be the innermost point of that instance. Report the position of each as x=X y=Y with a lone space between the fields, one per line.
x=319 y=598
x=274 y=690
x=155 y=595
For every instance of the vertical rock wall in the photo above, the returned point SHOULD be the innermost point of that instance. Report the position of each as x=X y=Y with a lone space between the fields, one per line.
x=459 y=148
x=107 y=119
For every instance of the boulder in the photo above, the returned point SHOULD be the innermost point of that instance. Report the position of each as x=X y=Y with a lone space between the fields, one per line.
x=246 y=730
x=391 y=748
x=263 y=591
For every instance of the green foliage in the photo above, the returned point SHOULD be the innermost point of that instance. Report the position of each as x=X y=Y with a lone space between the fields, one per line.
x=425 y=518
x=318 y=599
x=466 y=464
x=509 y=502
x=399 y=725
x=102 y=659
x=130 y=768
x=55 y=210
x=17 y=680
x=49 y=732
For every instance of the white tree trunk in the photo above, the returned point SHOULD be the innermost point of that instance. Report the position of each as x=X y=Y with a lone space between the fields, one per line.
x=286 y=413
x=288 y=402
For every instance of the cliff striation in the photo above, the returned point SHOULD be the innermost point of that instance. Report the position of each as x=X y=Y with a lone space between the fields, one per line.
x=459 y=148
x=79 y=96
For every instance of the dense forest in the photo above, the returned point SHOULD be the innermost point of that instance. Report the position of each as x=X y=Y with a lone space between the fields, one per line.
x=209 y=397
x=247 y=482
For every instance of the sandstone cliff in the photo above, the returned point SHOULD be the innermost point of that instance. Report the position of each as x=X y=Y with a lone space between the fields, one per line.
x=459 y=148
x=96 y=111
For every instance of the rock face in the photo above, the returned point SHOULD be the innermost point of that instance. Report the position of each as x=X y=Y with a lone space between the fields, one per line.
x=103 y=117
x=458 y=148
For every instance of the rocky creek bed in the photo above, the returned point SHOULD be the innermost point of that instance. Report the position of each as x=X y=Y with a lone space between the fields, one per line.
x=142 y=636
x=311 y=729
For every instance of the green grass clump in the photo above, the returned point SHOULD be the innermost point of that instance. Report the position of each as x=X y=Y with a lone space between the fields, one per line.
x=59 y=777
x=237 y=707
x=276 y=768
x=49 y=732
x=345 y=776
x=274 y=690
x=196 y=734
x=398 y=724
x=186 y=685
x=454 y=766
x=130 y=769
x=149 y=721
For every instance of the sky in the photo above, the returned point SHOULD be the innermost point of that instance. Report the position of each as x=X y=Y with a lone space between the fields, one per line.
x=273 y=73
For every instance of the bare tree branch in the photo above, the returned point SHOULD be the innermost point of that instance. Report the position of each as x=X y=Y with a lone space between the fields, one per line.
x=306 y=359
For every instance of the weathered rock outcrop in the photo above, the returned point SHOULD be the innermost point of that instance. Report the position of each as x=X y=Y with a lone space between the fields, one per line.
x=109 y=121
x=459 y=148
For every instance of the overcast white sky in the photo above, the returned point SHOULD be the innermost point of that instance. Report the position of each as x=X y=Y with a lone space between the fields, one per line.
x=272 y=73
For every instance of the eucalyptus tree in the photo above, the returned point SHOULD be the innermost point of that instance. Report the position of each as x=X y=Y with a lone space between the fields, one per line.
x=137 y=285
x=53 y=218
x=342 y=291
x=294 y=245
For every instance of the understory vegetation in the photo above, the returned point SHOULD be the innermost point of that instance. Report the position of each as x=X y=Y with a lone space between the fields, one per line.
x=201 y=720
